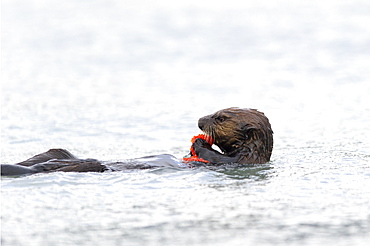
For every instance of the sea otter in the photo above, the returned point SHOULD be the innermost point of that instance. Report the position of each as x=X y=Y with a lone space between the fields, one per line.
x=243 y=135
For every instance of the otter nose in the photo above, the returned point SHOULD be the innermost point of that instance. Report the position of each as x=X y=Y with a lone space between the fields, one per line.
x=201 y=123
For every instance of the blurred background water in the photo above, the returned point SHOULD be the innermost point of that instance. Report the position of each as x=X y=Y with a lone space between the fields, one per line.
x=114 y=80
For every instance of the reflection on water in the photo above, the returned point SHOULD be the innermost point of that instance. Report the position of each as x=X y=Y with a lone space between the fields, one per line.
x=254 y=172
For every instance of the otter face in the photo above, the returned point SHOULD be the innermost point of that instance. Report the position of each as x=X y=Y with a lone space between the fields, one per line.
x=224 y=127
x=235 y=130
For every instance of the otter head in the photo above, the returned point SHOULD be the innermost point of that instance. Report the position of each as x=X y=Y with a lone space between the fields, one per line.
x=243 y=132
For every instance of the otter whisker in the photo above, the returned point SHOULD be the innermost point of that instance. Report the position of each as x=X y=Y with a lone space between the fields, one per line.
x=209 y=131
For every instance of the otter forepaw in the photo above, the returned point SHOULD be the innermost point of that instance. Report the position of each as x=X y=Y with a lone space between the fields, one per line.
x=200 y=145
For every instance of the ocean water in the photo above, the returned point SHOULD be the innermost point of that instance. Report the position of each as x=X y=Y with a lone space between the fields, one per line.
x=115 y=80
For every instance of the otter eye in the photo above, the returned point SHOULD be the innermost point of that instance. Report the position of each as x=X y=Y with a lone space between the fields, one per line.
x=220 y=119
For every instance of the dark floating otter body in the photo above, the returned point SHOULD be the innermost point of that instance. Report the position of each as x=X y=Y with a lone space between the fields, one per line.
x=243 y=135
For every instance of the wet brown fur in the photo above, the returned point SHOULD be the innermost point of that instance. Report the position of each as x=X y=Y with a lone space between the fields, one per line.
x=244 y=134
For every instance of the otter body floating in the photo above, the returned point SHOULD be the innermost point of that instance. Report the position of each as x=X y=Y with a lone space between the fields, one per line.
x=244 y=136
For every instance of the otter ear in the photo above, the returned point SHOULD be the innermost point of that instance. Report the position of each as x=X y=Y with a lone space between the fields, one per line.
x=248 y=130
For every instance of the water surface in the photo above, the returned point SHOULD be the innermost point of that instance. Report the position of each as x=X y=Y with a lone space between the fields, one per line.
x=115 y=80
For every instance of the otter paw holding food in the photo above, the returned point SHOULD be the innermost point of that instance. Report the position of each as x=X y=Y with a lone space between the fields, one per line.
x=206 y=141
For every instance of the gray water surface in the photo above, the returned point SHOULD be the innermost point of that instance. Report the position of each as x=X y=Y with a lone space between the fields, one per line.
x=115 y=80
